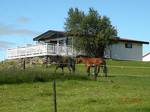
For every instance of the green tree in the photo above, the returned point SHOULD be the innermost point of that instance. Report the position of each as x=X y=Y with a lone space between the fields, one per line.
x=91 y=32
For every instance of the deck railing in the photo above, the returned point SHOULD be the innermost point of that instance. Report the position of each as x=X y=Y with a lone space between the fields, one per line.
x=40 y=50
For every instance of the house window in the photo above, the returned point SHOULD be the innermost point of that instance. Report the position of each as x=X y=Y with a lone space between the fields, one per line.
x=69 y=41
x=61 y=42
x=128 y=45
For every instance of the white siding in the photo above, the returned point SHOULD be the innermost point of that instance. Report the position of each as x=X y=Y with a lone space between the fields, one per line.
x=115 y=51
x=119 y=51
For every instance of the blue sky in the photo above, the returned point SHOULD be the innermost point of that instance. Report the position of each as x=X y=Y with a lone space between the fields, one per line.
x=22 y=20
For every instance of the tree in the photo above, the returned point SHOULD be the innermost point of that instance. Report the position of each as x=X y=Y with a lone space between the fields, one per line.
x=91 y=32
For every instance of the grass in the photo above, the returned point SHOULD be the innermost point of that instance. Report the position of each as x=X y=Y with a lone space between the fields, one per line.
x=125 y=90
x=35 y=74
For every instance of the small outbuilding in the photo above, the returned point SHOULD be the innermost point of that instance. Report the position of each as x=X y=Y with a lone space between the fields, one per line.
x=146 y=57
x=126 y=49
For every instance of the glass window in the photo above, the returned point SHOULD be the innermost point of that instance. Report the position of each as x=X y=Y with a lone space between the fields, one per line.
x=61 y=42
x=68 y=41
x=128 y=45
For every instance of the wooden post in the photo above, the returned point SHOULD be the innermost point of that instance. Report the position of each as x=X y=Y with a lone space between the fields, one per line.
x=24 y=63
x=54 y=95
x=46 y=61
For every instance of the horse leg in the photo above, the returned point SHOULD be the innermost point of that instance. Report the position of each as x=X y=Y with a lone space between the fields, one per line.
x=105 y=70
x=88 y=70
x=69 y=68
x=56 y=68
x=98 y=69
x=73 y=68
x=95 y=72
x=62 y=69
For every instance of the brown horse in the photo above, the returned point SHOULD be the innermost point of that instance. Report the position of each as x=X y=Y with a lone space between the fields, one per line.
x=94 y=62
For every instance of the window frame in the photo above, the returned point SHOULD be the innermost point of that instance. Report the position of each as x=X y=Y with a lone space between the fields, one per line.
x=128 y=45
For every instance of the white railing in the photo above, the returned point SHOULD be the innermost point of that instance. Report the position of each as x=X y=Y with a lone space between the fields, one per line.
x=40 y=50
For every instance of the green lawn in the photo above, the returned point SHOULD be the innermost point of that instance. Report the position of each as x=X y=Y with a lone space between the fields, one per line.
x=125 y=90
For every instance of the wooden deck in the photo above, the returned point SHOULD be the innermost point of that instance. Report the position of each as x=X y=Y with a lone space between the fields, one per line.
x=40 y=50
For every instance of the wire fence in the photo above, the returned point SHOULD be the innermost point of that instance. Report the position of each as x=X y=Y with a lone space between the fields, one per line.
x=136 y=67
x=115 y=66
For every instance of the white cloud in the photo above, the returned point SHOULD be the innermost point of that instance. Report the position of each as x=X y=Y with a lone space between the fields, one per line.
x=23 y=19
x=5 y=45
x=12 y=30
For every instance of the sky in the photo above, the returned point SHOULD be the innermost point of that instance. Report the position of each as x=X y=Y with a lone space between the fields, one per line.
x=22 y=20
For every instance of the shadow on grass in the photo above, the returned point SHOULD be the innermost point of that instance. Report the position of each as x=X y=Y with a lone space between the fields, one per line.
x=67 y=76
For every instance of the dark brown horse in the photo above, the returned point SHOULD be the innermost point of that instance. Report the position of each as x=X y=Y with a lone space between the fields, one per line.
x=97 y=63
x=65 y=63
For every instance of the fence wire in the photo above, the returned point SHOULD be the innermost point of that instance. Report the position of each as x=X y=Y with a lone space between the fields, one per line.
x=127 y=67
x=113 y=66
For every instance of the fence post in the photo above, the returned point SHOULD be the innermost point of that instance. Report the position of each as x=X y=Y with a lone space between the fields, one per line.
x=54 y=96
x=23 y=63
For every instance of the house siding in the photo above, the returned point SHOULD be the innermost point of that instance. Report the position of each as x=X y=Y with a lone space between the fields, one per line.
x=115 y=51
x=120 y=52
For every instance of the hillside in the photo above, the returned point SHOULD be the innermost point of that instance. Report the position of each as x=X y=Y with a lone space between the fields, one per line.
x=126 y=89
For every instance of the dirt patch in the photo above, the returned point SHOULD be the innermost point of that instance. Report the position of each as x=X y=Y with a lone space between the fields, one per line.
x=134 y=100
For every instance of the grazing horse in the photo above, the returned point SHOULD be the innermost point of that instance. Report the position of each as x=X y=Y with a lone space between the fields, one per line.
x=94 y=62
x=68 y=62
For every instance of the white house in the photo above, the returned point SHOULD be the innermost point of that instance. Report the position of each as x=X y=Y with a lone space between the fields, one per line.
x=53 y=43
x=146 y=57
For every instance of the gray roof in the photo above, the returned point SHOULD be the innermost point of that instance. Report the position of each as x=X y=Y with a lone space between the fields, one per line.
x=49 y=35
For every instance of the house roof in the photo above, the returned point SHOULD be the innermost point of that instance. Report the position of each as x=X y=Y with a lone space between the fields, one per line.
x=130 y=40
x=146 y=54
x=51 y=34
